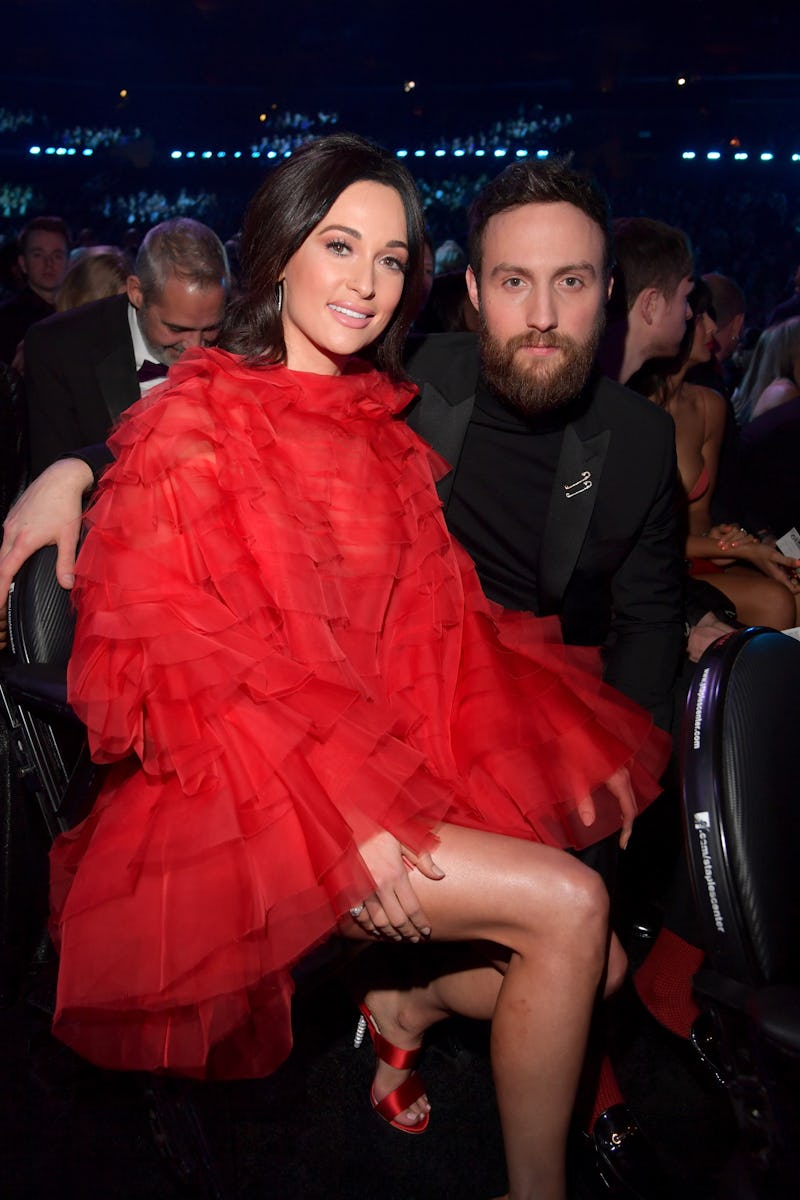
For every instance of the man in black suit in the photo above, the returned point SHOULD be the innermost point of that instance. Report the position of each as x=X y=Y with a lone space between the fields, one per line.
x=84 y=367
x=562 y=486
x=43 y=260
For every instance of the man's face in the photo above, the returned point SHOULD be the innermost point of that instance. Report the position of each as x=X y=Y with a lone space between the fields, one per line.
x=669 y=320
x=44 y=262
x=182 y=315
x=541 y=301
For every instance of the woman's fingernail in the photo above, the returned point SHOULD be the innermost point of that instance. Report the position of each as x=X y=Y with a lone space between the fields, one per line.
x=426 y=932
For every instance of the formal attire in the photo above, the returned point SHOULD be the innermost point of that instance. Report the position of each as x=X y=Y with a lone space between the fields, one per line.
x=16 y=316
x=80 y=375
x=584 y=499
x=283 y=651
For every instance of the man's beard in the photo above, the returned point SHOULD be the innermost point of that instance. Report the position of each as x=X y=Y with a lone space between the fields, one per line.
x=543 y=385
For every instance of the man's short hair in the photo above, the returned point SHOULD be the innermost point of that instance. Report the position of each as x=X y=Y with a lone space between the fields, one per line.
x=648 y=254
x=551 y=181
x=184 y=248
x=43 y=225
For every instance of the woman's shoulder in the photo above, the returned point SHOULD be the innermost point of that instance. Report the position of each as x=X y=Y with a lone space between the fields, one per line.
x=778 y=392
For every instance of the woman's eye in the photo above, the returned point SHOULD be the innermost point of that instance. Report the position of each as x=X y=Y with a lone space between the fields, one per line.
x=395 y=264
x=337 y=246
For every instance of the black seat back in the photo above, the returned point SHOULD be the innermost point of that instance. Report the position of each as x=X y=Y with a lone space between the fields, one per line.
x=741 y=790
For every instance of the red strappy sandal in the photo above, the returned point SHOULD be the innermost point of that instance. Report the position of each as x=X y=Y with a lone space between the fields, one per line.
x=398 y=1101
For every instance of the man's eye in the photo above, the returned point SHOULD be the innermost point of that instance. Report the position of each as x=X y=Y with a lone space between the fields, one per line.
x=513 y=282
x=572 y=282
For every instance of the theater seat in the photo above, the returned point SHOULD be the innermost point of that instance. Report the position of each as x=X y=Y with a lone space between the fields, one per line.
x=740 y=766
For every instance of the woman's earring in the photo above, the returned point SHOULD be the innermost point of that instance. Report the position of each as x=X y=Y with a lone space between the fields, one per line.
x=279 y=294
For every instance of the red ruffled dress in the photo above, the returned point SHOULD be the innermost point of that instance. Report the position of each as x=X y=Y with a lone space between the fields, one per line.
x=282 y=650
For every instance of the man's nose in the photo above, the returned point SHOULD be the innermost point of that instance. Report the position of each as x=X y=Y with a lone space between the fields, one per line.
x=540 y=310
x=192 y=338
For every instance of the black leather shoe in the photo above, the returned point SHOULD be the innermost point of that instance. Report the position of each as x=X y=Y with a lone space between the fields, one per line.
x=625 y=1159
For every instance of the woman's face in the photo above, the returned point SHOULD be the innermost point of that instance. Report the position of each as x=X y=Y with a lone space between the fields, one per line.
x=703 y=344
x=342 y=286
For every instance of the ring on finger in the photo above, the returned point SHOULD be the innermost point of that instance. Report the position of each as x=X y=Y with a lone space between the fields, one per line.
x=357 y=910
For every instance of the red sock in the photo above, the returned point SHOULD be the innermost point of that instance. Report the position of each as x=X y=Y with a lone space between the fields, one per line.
x=664 y=982
x=608 y=1091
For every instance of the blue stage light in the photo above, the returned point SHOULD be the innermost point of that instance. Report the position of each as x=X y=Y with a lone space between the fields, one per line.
x=272 y=154
x=796 y=158
x=767 y=156
x=287 y=154
x=689 y=154
x=479 y=153
x=741 y=156
x=206 y=154
x=257 y=154
x=34 y=150
x=522 y=153
x=61 y=151
x=459 y=153
x=440 y=153
x=237 y=154
x=401 y=154
x=221 y=153
x=500 y=153
x=191 y=154
x=542 y=153
x=419 y=154
x=176 y=154
x=88 y=152
x=72 y=150
x=713 y=155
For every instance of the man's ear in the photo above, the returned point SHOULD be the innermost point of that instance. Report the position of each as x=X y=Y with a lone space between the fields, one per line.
x=472 y=289
x=21 y=264
x=134 y=289
x=736 y=325
x=647 y=303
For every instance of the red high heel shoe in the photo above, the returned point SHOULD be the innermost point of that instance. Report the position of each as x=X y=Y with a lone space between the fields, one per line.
x=398 y=1101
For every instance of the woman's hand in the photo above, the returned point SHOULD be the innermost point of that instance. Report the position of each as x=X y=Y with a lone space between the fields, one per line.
x=771 y=562
x=393 y=909
x=619 y=784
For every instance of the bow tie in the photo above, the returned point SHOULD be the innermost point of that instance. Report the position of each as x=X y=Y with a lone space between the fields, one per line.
x=151 y=370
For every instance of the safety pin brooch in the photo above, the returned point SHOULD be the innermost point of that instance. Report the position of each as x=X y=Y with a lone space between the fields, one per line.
x=580 y=485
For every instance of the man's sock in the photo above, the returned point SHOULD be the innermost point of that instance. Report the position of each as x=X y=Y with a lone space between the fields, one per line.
x=664 y=982
x=608 y=1091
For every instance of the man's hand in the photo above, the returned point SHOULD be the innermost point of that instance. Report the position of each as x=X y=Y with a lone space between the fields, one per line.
x=48 y=513
x=706 y=631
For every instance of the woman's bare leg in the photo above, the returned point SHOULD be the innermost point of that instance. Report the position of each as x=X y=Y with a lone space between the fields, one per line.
x=758 y=600
x=551 y=912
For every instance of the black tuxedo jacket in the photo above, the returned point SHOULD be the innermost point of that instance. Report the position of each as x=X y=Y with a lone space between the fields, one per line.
x=80 y=375
x=610 y=562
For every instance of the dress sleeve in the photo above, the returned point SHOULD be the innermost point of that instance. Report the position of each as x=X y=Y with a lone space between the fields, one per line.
x=180 y=655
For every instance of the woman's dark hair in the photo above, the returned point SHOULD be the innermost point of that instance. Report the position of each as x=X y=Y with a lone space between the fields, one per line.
x=290 y=203
x=652 y=378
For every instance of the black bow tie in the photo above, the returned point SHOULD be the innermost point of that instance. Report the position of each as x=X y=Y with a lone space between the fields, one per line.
x=151 y=370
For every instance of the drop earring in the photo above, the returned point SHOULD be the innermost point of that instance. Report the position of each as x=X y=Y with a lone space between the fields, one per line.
x=279 y=294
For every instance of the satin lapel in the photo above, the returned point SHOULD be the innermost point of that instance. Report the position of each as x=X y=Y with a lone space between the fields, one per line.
x=116 y=375
x=444 y=426
x=572 y=501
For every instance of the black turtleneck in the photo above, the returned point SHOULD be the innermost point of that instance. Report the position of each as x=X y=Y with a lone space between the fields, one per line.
x=501 y=492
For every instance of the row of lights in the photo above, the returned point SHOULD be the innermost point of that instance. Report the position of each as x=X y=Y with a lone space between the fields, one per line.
x=61 y=151
x=738 y=156
x=500 y=152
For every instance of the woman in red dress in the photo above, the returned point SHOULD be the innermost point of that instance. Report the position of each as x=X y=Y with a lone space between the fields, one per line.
x=305 y=695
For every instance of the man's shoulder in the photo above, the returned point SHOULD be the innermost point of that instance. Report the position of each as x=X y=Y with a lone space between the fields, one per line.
x=621 y=407
x=448 y=361
x=100 y=318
